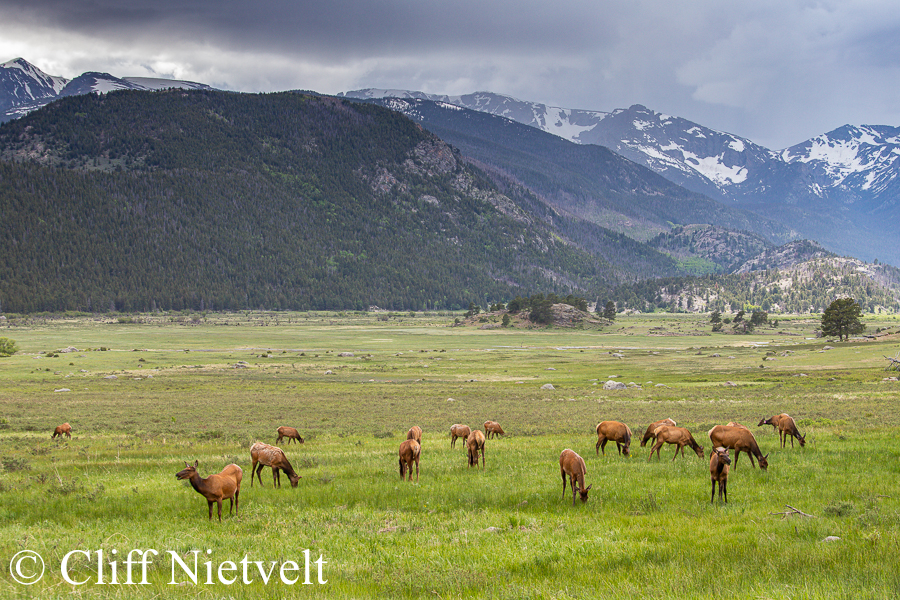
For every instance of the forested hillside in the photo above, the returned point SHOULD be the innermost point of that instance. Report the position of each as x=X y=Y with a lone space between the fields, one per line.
x=209 y=200
x=808 y=286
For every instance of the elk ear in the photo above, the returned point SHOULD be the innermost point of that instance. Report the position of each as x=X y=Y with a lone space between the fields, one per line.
x=196 y=463
x=589 y=487
x=766 y=456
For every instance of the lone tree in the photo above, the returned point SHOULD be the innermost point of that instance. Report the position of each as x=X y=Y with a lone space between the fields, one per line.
x=609 y=311
x=841 y=319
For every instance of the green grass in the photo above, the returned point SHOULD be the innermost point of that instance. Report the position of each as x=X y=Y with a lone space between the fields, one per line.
x=508 y=532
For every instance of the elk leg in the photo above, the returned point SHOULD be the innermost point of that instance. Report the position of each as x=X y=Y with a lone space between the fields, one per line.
x=210 y=502
x=712 y=495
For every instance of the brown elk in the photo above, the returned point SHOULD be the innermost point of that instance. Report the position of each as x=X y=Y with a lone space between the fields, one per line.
x=773 y=421
x=617 y=432
x=573 y=465
x=409 y=455
x=650 y=434
x=681 y=437
x=736 y=424
x=215 y=488
x=415 y=433
x=786 y=427
x=474 y=445
x=492 y=429
x=740 y=440
x=264 y=455
x=718 y=473
x=61 y=430
x=458 y=431
x=290 y=433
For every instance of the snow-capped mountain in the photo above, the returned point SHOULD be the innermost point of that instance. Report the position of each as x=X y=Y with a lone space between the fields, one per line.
x=853 y=164
x=23 y=83
x=24 y=87
x=853 y=168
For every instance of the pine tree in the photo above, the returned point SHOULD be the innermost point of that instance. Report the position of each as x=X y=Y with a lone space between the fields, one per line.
x=842 y=319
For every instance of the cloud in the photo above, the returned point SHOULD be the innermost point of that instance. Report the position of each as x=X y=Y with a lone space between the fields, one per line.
x=775 y=72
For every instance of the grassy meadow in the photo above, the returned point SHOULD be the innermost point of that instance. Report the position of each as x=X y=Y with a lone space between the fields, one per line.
x=146 y=393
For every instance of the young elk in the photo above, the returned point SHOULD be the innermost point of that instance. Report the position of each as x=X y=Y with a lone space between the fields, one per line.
x=739 y=439
x=474 y=445
x=409 y=455
x=64 y=429
x=650 y=434
x=681 y=437
x=718 y=473
x=215 y=488
x=786 y=426
x=458 y=431
x=290 y=433
x=264 y=455
x=415 y=433
x=492 y=429
x=773 y=421
x=573 y=465
x=617 y=432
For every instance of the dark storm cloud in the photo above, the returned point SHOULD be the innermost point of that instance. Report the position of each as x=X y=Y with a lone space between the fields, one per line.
x=773 y=71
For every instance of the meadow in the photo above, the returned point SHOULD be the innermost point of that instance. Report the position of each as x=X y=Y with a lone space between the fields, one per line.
x=145 y=394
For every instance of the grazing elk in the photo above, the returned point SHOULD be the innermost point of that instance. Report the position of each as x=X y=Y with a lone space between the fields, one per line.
x=650 y=434
x=573 y=465
x=786 y=427
x=718 y=473
x=290 y=433
x=739 y=439
x=474 y=445
x=458 y=431
x=415 y=433
x=215 y=488
x=264 y=455
x=61 y=430
x=492 y=429
x=681 y=437
x=617 y=432
x=409 y=455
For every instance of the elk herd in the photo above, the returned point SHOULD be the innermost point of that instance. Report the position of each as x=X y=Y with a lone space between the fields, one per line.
x=226 y=485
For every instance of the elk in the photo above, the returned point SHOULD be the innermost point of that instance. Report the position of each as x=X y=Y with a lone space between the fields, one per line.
x=215 y=488
x=617 y=432
x=492 y=429
x=264 y=455
x=681 y=437
x=573 y=465
x=409 y=454
x=736 y=424
x=740 y=440
x=650 y=434
x=458 y=431
x=415 y=433
x=786 y=427
x=290 y=433
x=718 y=473
x=773 y=421
x=474 y=445
x=64 y=429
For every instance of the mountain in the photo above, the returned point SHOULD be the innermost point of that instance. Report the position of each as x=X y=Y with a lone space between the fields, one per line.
x=588 y=181
x=212 y=200
x=841 y=188
x=703 y=249
x=25 y=88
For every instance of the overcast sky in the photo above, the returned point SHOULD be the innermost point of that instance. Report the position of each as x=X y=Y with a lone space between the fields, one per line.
x=775 y=71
